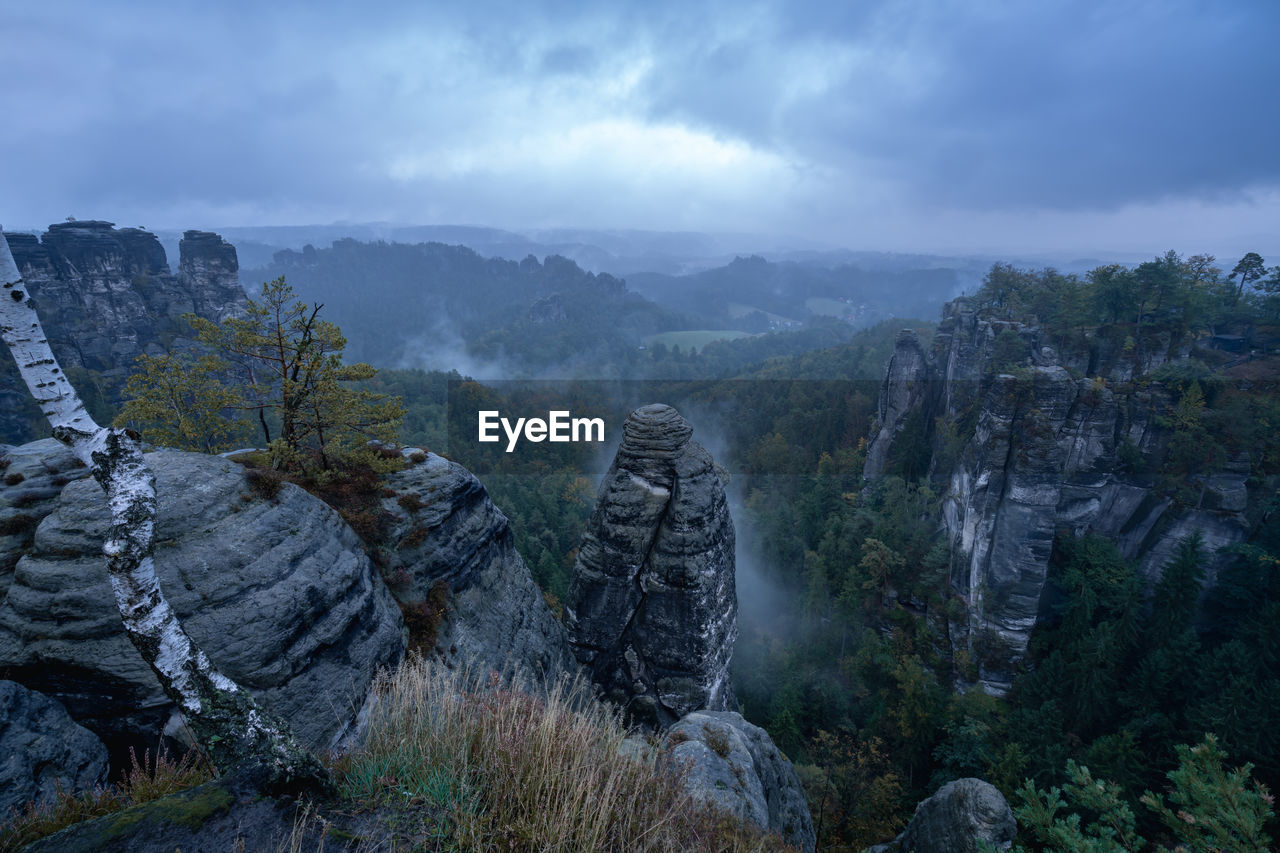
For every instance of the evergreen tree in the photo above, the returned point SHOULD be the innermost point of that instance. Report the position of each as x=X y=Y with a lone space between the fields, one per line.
x=179 y=400
x=286 y=368
x=1250 y=268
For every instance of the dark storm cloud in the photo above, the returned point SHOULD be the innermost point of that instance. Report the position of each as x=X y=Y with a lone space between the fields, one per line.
x=814 y=117
x=986 y=104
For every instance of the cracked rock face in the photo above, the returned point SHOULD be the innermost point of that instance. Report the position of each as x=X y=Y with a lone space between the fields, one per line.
x=277 y=592
x=1041 y=456
x=651 y=608
x=904 y=385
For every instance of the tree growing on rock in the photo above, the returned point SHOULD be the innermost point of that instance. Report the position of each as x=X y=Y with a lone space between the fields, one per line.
x=280 y=363
x=224 y=718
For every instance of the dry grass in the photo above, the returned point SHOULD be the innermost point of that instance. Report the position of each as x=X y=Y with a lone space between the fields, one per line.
x=145 y=781
x=492 y=765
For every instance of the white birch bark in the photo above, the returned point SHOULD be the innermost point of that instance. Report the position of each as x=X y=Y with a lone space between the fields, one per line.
x=224 y=717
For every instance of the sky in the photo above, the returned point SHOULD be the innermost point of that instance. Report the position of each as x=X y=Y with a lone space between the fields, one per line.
x=898 y=125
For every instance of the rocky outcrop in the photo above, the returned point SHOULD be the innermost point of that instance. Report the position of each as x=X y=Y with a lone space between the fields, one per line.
x=31 y=478
x=652 y=614
x=735 y=766
x=209 y=271
x=964 y=816
x=651 y=608
x=1035 y=448
x=44 y=750
x=901 y=393
x=448 y=535
x=276 y=589
x=227 y=813
x=107 y=295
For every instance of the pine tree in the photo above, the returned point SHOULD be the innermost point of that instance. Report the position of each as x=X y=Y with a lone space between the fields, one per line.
x=284 y=366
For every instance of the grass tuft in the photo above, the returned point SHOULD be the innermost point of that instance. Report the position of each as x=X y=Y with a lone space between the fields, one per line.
x=489 y=764
x=145 y=781
x=717 y=739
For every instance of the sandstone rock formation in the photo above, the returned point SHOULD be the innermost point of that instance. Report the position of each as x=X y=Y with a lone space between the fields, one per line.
x=107 y=295
x=964 y=816
x=651 y=608
x=448 y=532
x=902 y=391
x=43 y=750
x=276 y=590
x=735 y=766
x=1040 y=454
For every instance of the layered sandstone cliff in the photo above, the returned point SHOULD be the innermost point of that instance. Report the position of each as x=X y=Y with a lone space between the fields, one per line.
x=1032 y=449
x=106 y=296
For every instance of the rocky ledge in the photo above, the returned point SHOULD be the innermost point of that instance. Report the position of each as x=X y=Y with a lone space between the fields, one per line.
x=453 y=563
x=275 y=588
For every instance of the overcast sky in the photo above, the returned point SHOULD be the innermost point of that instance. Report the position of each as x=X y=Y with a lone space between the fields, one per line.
x=933 y=125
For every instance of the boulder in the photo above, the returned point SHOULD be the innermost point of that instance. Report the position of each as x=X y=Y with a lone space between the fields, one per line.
x=958 y=818
x=735 y=766
x=276 y=589
x=43 y=750
x=651 y=607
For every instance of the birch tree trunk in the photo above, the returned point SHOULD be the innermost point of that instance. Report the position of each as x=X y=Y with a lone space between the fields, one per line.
x=223 y=717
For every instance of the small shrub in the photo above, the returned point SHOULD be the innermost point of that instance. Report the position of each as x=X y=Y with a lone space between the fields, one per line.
x=367 y=523
x=150 y=781
x=410 y=502
x=1130 y=457
x=13 y=478
x=424 y=618
x=27 y=499
x=387 y=451
x=415 y=537
x=265 y=482
x=144 y=782
x=417 y=457
x=717 y=740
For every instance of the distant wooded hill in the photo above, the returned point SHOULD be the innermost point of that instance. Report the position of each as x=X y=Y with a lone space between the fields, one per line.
x=435 y=305
x=754 y=294
x=403 y=304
